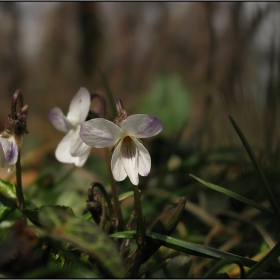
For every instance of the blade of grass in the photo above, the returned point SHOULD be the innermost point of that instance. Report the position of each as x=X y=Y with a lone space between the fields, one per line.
x=261 y=266
x=125 y=195
x=234 y=195
x=221 y=264
x=253 y=158
x=192 y=248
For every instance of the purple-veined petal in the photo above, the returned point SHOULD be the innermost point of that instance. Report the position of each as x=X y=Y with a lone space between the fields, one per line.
x=6 y=145
x=77 y=147
x=79 y=106
x=2 y=156
x=144 y=159
x=62 y=151
x=142 y=126
x=129 y=157
x=116 y=164
x=58 y=120
x=12 y=157
x=10 y=149
x=100 y=133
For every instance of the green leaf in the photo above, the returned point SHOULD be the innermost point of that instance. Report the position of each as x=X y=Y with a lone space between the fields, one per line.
x=234 y=195
x=268 y=189
x=261 y=266
x=56 y=260
x=7 y=189
x=161 y=102
x=87 y=216
x=192 y=248
x=32 y=213
x=125 y=195
x=64 y=226
x=7 y=199
x=212 y=273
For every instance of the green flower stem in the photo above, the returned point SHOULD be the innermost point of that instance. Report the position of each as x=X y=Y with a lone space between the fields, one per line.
x=19 y=192
x=114 y=192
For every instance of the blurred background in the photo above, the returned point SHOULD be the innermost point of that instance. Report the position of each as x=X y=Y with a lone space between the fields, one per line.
x=188 y=63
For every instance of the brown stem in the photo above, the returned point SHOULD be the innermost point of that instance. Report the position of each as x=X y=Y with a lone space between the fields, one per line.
x=100 y=96
x=19 y=192
x=104 y=193
x=114 y=192
x=17 y=95
x=135 y=258
x=141 y=229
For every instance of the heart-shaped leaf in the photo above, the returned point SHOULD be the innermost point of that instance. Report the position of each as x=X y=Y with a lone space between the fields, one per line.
x=7 y=199
x=64 y=226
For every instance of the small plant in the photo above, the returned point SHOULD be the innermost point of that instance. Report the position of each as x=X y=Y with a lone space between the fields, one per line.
x=52 y=241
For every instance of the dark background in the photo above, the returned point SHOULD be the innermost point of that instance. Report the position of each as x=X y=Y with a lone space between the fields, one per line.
x=186 y=63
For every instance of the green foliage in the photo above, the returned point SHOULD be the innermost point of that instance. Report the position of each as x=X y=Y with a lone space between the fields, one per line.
x=73 y=233
x=193 y=249
x=173 y=112
x=234 y=195
x=7 y=199
x=270 y=192
x=266 y=262
x=64 y=226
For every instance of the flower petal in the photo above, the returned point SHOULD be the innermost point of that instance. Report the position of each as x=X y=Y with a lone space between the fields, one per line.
x=2 y=156
x=100 y=133
x=141 y=125
x=62 y=151
x=80 y=161
x=129 y=157
x=77 y=147
x=79 y=106
x=116 y=164
x=10 y=149
x=63 y=154
x=144 y=159
x=58 y=120
x=12 y=157
x=11 y=167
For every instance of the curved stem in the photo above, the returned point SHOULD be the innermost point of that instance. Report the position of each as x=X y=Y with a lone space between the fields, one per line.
x=17 y=95
x=100 y=96
x=104 y=193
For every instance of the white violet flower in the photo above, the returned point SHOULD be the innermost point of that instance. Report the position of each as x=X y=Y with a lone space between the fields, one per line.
x=72 y=149
x=8 y=152
x=130 y=157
